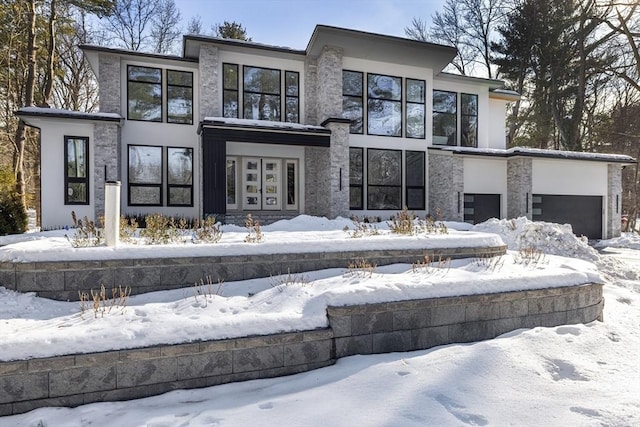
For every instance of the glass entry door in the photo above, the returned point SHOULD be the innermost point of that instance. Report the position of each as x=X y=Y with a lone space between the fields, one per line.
x=261 y=187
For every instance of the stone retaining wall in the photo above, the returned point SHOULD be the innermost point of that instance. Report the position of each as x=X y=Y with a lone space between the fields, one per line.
x=361 y=329
x=62 y=280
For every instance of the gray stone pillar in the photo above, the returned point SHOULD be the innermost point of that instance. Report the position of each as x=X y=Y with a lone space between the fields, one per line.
x=446 y=186
x=316 y=188
x=208 y=84
x=110 y=89
x=339 y=171
x=329 y=78
x=311 y=91
x=614 y=201
x=106 y=157
x=519 y=187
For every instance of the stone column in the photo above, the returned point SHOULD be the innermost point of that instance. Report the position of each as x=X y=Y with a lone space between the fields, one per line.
x=109 y=89
x=106 y=160
x=208 y=83
x=339 y=171
x=519 y=187
x=311 y=91
x=614 y=201
x=446 y=186
x=329 y=78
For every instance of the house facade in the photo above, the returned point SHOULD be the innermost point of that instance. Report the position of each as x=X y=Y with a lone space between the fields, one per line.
x=356 y=124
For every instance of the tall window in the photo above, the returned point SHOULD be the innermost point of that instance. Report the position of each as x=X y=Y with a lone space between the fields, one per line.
x=384 y=178
x=384 y=105
x=144 y=93
x=292 y=96
x=356 y=178
x=145 y=175
x=76 y=166
x=261 y=96
x=415 y=111
x=179 y=176
x=445 y=108
x=179 y=97
x=230 y=90
x=469 y=120
x=414 y=178
x=352 y=99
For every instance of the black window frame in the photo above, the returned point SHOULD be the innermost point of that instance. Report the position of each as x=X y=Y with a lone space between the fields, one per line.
x=354 y=96
x=73 y=179
x=227 y=90
x=160 y=84
x=168 y=97
x=421 y=187
x=374 y=98
x=424 y=108
x=288 y=97
x=360 y=186
x=372 y=186
x=454 y=115
x=170 y=185
x=464 y=115
x=245 y=92
x=131 y=185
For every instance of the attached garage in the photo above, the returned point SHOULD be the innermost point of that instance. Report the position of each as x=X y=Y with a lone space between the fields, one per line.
x=480 y=207
x=584 y=213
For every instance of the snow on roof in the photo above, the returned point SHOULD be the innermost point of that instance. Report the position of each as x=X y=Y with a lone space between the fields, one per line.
x=261 y=124
x=60 y=113
x=538 y=152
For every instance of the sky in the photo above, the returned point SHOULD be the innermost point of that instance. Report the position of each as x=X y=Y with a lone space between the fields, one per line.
x=290 y=23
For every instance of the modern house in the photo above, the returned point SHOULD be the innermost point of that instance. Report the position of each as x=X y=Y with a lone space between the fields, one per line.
x=356 y=124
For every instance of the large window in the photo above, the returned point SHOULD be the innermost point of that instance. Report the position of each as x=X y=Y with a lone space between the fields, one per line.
x=469 y=120
x=415 y=165
x=415 y=110
x=230 y=90
x=356 y=178
x=261 y=96
x=179 y=97
x=352 y=99
x=384 y=179
x=445 y=109
x=384 y=105
x=76 y=166
x=144 y=91
x=292 y=96
x=145 y=175
x=179 y=176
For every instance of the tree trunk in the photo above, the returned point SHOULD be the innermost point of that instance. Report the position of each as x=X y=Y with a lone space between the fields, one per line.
x=51 y=52
x=21 y=131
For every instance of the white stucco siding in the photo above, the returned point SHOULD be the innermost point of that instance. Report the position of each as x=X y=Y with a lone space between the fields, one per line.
x=486 y=176
x=497 y=123
x=569 y=177
x=54 y=211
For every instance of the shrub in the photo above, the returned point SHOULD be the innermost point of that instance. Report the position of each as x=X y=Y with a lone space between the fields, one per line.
x=403 y=222
x=86 y=234
x=206 y=231
x=13 y=216
x=160 y=230
x=253 y=227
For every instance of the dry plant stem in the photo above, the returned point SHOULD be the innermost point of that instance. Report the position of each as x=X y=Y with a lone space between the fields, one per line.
x=360 y=268
x=253 y=227
x=99 y=302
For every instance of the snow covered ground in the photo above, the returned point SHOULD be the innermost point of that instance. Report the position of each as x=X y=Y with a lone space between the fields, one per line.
x=568 y=375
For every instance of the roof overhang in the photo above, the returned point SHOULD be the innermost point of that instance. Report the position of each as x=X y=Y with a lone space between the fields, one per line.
x=34 y=115
x=536 y=153
x=191 y=47
x=378 y=47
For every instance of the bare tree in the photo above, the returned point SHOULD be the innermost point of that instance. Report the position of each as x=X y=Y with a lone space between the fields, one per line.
x=129 y=24
x=449 y=28
x=195 y=25
x=165 y=30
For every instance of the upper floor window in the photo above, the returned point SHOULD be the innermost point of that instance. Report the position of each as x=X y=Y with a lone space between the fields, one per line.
x=384 y=105
x=415 y=108
x=445 y=125
x=261 y=96
x=179 y=97
x=469 y=119
x=292 y=96
x=144 y=93
x=230 y=90
x=352 y=99
x=76 y=166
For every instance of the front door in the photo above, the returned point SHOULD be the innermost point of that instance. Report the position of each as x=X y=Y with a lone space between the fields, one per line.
x=261 y=186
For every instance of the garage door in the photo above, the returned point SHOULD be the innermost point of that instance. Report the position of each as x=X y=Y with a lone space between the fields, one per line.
x=584 y=213
x=480 y=207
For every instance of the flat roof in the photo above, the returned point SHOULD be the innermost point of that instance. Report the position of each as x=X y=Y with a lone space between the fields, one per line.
x=537 y=152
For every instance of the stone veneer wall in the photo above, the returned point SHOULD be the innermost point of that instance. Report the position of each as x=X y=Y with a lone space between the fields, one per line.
x=63 y=279
x=339 y=170
x=316 y=189
x=519 y=187
x=208 y=83
x=446 y=185
x=109 y=87
x=614 y=201
x=78 y=379
x=311 y=91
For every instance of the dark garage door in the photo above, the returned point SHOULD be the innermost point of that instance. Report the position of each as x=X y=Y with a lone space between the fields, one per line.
x=584 y=213
x=481 y=207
